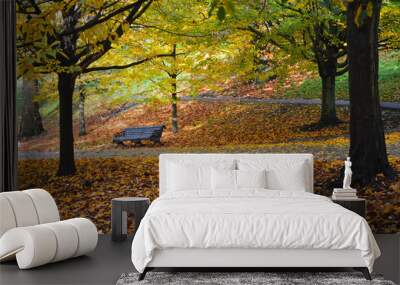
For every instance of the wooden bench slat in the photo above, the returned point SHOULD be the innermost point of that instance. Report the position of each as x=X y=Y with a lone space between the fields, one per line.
x=141 y=132
x=153 y=133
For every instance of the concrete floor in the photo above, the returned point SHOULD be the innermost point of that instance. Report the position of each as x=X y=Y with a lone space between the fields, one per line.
x=110 y=260
x=103 y=266
x=389 y=262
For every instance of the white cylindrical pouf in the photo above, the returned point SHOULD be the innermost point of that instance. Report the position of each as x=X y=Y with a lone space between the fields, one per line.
x=45 y=205
x=7 y=218
x=87 y=234
x=23 y=208
x=67 y=240
x=31 y=232
x=33 y=246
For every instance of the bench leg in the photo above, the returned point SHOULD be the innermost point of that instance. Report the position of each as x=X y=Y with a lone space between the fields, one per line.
x=364 y=271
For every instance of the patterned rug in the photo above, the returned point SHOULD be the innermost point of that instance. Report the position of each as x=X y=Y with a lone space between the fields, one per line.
x=244 y=278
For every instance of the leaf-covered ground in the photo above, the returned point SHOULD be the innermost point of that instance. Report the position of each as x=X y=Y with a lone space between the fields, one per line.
x=89 y=193
x=204 y=124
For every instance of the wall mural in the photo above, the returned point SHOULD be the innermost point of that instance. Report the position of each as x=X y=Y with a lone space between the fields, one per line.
x=202 y=76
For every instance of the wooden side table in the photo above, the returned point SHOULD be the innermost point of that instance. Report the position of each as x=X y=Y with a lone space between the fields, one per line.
x=121 y=207
x=357 y=205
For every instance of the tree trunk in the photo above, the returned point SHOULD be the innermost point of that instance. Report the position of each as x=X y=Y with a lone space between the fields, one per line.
x=367 y=140
x=37 y=118
x=81 y=107
x=174 y=112
x=174 y=98
x=328 y=102
x=31 y=121
x=66 y=85
x=327 y=65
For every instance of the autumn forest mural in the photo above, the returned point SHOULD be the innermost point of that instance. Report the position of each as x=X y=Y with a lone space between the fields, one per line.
x=221 y=76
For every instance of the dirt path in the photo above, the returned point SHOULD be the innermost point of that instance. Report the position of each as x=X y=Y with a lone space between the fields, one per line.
x=292 y=101
x=289 y=101
x=320 y=152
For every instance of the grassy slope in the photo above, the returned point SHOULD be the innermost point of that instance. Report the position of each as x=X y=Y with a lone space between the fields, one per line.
x=389 y=80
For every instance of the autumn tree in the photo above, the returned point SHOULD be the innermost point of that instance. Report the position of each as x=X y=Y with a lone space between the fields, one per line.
x=312 y=30
x=67 y=38
x=367 y=140
x=202 y=55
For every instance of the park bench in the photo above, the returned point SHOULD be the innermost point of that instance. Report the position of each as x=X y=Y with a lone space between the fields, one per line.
x=138 y=134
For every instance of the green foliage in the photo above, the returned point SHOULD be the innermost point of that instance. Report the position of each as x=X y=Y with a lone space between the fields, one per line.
x=389 y=26
x=222 y=7
x=389 y=78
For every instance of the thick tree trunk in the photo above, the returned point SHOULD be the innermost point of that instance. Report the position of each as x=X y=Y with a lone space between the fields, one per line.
x=81 y=107
x=31 y=121
x=66 y=84
x=328 y=102
x=367 y=140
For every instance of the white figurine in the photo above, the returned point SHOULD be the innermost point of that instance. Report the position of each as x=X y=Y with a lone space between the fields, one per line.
x=347 y=174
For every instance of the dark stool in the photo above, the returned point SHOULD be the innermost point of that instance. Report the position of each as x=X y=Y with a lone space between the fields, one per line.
x=357 y=205
x=136 y=206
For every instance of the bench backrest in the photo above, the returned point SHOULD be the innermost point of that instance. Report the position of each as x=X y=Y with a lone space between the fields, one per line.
x=144 y=131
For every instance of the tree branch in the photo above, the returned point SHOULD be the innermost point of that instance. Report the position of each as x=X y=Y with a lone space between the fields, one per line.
x=35 y=7
x=173 y=33
x=106 y=44
x=343 y=64
x=23 y=9
x=254 y=31
x=341 y=53
x=97 y=20
x=343 y=71
x=289 y=7
x=102 y=68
